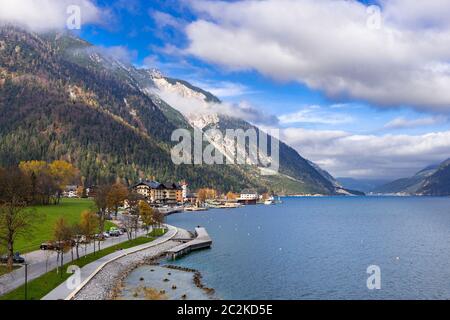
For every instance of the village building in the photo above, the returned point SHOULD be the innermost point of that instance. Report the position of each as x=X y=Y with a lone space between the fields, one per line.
x=248 y=196
x=156 y=192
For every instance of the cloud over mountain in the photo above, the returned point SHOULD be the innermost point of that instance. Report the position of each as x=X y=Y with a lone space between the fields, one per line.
x=44 y=15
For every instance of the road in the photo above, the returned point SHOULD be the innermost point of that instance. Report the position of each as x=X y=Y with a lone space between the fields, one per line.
x=40 y=262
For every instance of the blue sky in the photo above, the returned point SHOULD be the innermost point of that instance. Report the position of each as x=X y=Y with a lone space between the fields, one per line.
x=363 y=93
x=136 y=28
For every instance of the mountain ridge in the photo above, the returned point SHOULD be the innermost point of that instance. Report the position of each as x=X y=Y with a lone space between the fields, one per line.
x=63 y=98
x=434 y=180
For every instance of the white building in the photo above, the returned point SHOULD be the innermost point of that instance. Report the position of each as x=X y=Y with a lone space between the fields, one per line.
x=184 y=187
x=249 y=194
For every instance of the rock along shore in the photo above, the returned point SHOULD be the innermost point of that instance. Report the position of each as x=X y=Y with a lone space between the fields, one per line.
x=104 y=285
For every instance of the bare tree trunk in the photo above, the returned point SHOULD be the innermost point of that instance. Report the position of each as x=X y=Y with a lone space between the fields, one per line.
x=10 y=254
x=57 y=262
x=62 y=262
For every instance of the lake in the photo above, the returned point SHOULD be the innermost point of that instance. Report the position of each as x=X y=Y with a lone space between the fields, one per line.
x=320 y=248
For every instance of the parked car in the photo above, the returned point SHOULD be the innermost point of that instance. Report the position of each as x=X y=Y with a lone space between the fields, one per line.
x=115 y=233
x=47 y=246
x=56 y=245
x=100 y=237
x=16 y=258
x=83 y=240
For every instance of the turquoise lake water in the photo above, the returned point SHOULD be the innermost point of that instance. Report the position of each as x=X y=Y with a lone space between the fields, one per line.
x=320 y=248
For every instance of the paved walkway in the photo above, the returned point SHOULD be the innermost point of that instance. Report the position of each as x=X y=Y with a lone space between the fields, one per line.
x=67 y=291
x=41 y=262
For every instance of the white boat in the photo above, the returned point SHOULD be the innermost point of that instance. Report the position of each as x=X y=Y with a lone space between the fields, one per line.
x=269 y=201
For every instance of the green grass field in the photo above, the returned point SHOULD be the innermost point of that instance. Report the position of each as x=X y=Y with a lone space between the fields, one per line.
x=40 y=287
x=4 y=269
x=68 y=208
x=157 y=232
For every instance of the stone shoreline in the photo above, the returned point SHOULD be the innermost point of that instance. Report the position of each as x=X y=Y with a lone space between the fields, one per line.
x=107 y=283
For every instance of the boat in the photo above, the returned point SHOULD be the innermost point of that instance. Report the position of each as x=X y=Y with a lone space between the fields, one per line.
x=195 y=209
x=269 y=201
x=230 y=206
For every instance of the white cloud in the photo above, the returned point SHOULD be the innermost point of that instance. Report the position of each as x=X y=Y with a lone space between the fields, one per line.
x=163 y=19
x=193 y=104
x=315 y=115
x=403 y=123
x=44 y=15
x=369 y=156
x=224 y=89
x=121 y=53
x=327 y=45
x=416 y=15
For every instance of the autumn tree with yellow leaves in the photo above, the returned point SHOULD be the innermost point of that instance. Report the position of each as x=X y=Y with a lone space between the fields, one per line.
x=48 y=180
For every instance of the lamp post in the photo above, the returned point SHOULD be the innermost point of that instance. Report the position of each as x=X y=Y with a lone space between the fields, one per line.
x=26 y=281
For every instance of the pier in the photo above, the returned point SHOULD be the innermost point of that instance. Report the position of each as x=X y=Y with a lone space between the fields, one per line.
x=171 y=210
x=201 y=241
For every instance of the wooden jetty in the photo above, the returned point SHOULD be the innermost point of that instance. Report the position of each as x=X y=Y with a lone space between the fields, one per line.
x=201 y=241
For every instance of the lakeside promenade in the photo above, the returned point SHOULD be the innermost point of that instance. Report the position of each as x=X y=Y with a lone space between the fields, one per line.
x=41 y=262
x=88 y=272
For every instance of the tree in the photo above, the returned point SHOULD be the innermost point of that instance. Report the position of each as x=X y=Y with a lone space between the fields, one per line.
x=146 y=213
x=101 y=201
x=38 y=172
x=63 y=173
x=116 y=196
x=62 y=235
x=206 y=194
x=77 y=233
x=46 y=189
x=81 y=192
x=44 y=186
x=133 y=201
x=89 y=224
x=131 y=218
x=34 y=166
x=159 y=218
x=201 y=196
x=231 y=196
x=16 y=219
x=131 y=224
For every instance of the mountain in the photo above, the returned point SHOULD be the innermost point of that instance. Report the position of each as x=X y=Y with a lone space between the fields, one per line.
x=438 y=183
x=296 y=174
x=428 y=181
x=62 y=98
x=364 y=185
